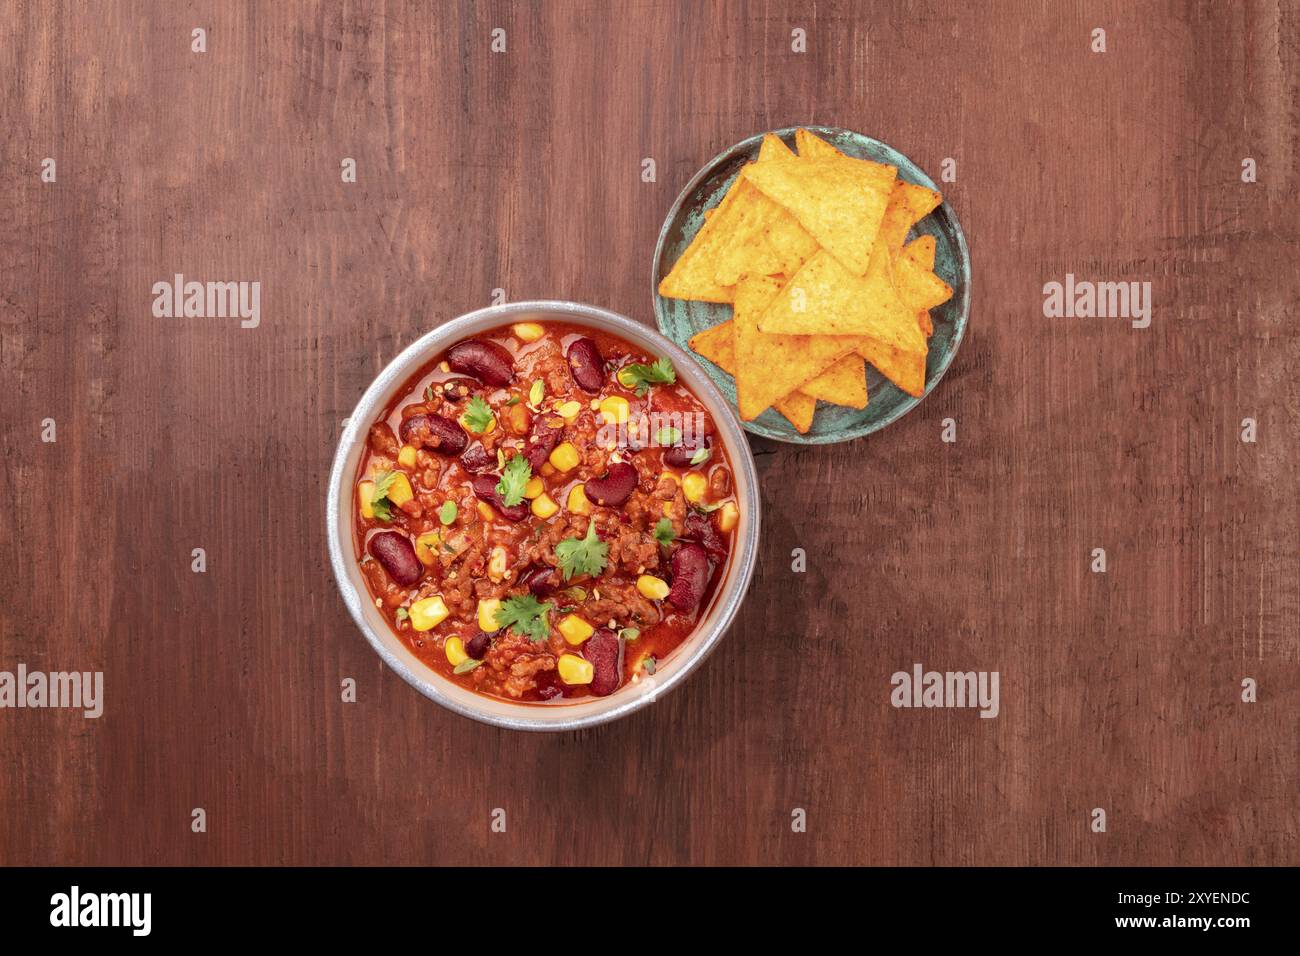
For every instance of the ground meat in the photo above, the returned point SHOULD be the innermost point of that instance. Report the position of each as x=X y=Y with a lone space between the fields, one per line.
x=620 y=602
x=383 y=440
x=516 y=661
x=632 y=550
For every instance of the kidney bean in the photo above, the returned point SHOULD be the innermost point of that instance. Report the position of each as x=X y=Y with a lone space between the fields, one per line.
x=478 y=645
x=615 y=487
x=586 y=364
x=541 y=442
x=485 y=489
x=679 y=456
x=396 y=553
x=539 y=579
x=435 y=433
x=486 y=361
x=690 y=572
x=701 y=529
x=455 y=390
x=477 y=458
x=604 y=649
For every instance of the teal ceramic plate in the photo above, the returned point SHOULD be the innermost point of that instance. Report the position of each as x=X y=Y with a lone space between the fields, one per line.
x=679 y=319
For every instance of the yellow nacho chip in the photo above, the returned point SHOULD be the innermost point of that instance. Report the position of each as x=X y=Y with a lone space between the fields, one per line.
x=799 y=408
x=718 y=345
x=921 y=251
x=908 y=204
x=823 y=299
x=773 y=147
x=839 y=201
x=919 y=288
x=905 y=369
x=691 y=276
x=769 y=367
x=844 y=383
x=812 y=146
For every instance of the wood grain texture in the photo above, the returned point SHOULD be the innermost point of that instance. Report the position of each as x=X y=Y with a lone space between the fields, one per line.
x=522 y=171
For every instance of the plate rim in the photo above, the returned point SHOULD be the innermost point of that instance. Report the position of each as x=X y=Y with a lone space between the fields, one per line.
x=788 y=434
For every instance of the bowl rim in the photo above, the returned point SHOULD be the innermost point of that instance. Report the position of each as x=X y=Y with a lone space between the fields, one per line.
x=750 y=144
x=726 y=603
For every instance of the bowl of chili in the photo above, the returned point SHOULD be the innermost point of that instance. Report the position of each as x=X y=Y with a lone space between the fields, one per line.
x=543 y=515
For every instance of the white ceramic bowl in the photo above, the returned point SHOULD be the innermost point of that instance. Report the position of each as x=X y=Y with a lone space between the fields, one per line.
x=560 y=715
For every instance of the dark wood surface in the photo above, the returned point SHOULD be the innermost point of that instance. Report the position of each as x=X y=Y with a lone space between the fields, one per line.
x=521 y=171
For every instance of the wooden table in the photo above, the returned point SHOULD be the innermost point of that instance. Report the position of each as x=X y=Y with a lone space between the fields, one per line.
x=521 y=171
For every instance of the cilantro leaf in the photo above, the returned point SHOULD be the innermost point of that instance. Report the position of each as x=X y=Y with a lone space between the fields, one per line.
x=379 y=502
x=478 y=415
x=513 y=478
x=582 y=555
x=465 y=666
x=664 y=533
x=641 y=377
x=525 y=615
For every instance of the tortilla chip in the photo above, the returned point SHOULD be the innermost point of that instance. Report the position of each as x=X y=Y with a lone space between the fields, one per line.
x=919 y=288
x=824 y=299
x=844 y=383
x=769 y=367
x=921 y=251
x=905 y=369
x=773 y=147
x=921 y=200
x=812 y=146
x=840 y=201
x=691 y=276
x=717 y=344
x=799 y=409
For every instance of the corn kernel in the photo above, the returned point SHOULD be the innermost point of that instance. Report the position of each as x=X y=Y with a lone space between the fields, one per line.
x=694 y=486
x=399 y=492
x=426 y=547
x=574 y=669
x=498 y=563
x=406 y=457
x=533 y=488
x=485 y=511
x=454 y=648
x=366 y=492
x=527 y=331
x=729 y=516
x=519 y=420
x=564 y=457
x=428 y=613
x=569 y=410
x=656 y=589
x=575 y=629
x=487 y=614
x=672 y=476
x=615 y=409
x=544 y=506
x=578 y=503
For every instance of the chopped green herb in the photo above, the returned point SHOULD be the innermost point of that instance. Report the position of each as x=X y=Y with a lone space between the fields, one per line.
x=401 y=614
x=708 y=508
x=512 y=401
x=700 y=457
x=664 y=533
x=465 y=666
x=514 y=477
x=447 y=513
x=649 y=664
x=478 y=415
x=667 y=437
x=582 y=555
x=525 y=615
x=641 y=377
x=630 y=633
x=575 y=593
x=428 y=393
x=536 y=393
x=379 y=502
